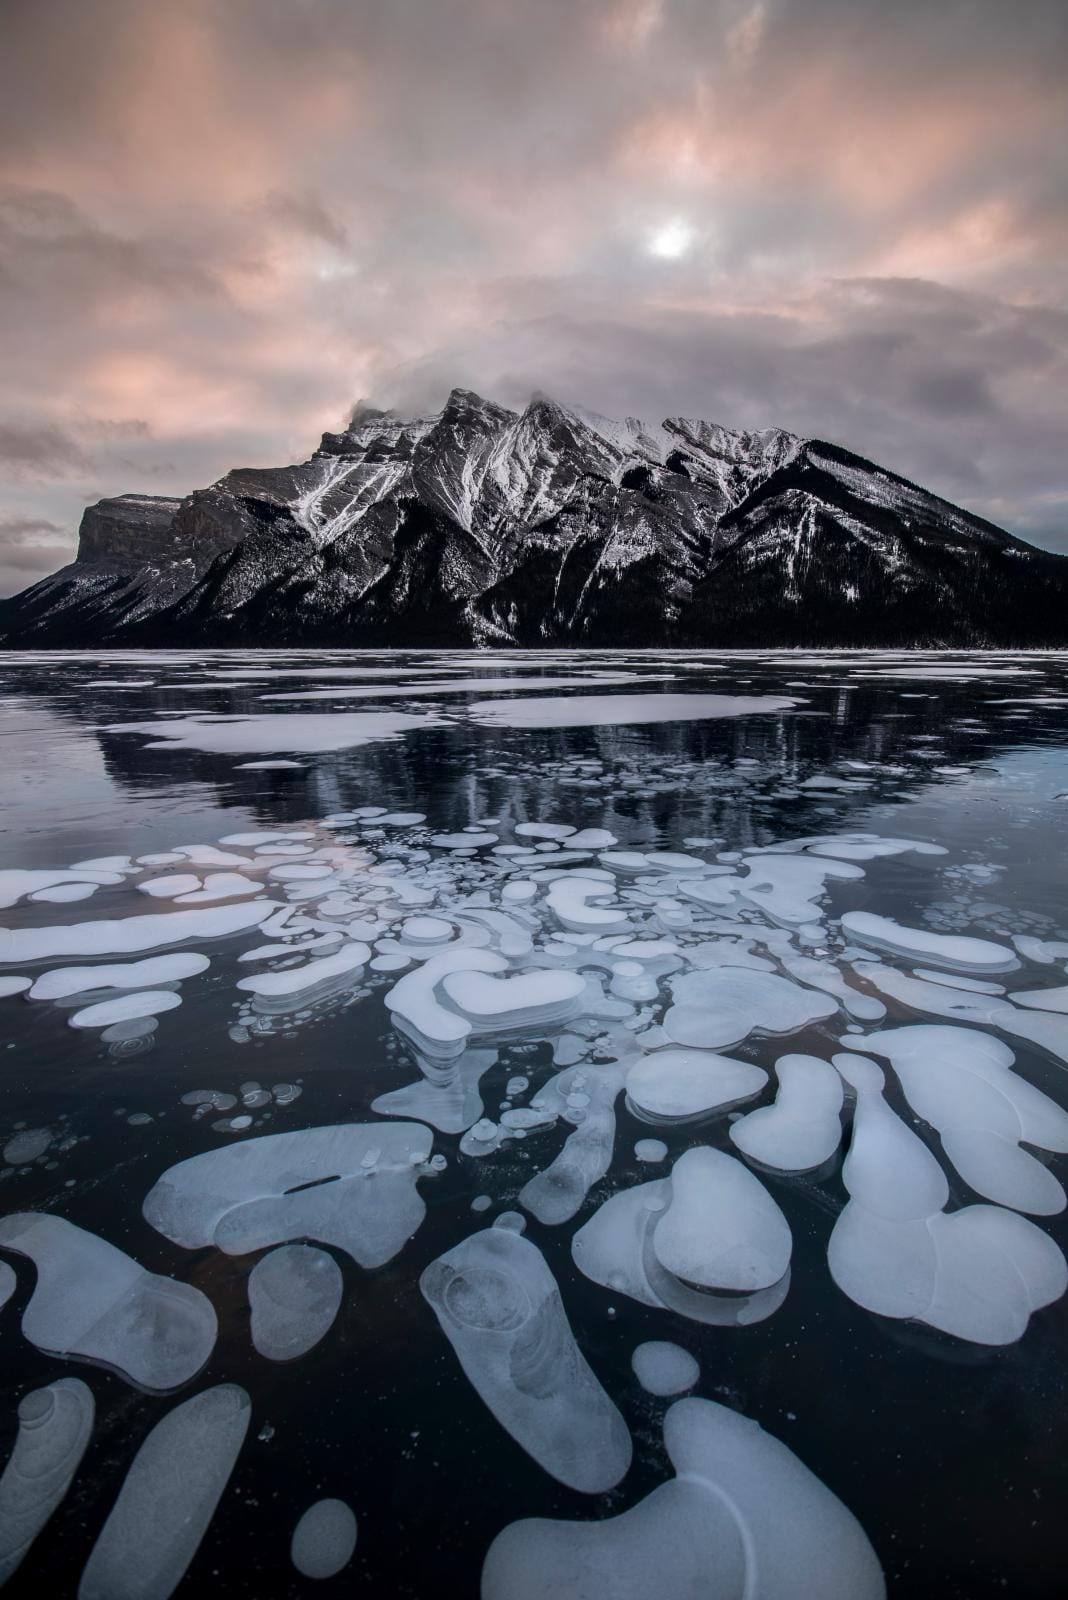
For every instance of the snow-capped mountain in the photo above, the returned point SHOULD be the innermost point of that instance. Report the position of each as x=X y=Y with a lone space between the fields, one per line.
x=553 y=526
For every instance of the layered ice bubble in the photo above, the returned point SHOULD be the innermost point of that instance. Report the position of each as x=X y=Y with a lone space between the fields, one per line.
x=586 y=1096
x=961 y=1082
x=498 y=1305
x=724 y=1005
x=62 y=982
x=742 y=1519
x=168 y=1498
x=978 y=1273
x=802 y=1129
x=943 y=949
x=126 y=935
x=92 y=1302
x=55 y=1425
x=674 y=1085
x=617 y=1249
x=352 y=1186
x=721 y=1228
x=294 y=1295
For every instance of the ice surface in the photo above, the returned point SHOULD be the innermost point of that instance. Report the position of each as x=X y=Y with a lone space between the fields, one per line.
x=674 y=1084
x=324 y=1539
x=126 y=935
x=304 y=732
x=743 y=1519
x=168 y=1499
x=499 y=1307
x=724 y=1005
x=662 y=1368
x=294 y=1294
x=65 y=981
x=351 y=1186
x=619 y=710
x=802 y=1129
x=721 y=1228
x=950 y=950
x=55 y=1424
x=125 y=1008
x=977 y=1273
x=94 y=1303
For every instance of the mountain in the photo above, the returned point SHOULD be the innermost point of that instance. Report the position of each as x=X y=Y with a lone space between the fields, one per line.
x=552 y=526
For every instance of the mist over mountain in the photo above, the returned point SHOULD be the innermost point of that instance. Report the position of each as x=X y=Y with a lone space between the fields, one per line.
x=553 y=526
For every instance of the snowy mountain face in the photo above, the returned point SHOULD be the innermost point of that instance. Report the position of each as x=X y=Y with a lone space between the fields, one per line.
x=553 y=526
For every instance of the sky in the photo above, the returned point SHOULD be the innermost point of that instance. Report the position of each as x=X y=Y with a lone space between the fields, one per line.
x=223 y=222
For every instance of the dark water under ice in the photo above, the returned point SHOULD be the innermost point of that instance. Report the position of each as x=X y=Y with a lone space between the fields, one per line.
x=951 y=1454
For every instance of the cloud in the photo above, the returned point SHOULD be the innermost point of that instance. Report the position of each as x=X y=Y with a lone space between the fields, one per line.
x=231 y=221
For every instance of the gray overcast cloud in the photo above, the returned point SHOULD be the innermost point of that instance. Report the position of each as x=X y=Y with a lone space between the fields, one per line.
x=223 y=221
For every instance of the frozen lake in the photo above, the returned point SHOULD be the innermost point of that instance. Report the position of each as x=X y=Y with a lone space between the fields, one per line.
x=447 y=1090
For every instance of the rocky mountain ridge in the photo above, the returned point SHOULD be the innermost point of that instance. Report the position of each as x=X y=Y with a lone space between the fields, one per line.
x=549 y=527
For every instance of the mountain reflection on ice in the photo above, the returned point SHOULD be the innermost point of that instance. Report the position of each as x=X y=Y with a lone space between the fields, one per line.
x=331 y=1087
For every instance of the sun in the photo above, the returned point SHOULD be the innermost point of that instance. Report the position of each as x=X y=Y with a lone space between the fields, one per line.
x=671 y=240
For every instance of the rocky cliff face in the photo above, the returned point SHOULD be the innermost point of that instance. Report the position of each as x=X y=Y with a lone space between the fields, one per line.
x=553 y=526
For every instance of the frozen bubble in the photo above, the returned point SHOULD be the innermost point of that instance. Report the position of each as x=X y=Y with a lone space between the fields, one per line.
x=18 y=882
x=493 y=1003
x=294 y=1294
x=744 y=1517
x=676 y=1084
x=285 y=1093
x=447 y=1096
x=1042 y=999
x=662 y=1368
x=570 y=900
x=721 y=1229
x=168 y=1499
x=416 y=1008
x=950 y=950
x=961 y=1083
x=824 y=975
x=650 y=1150
x=481 y=1202
x=93 y=1302
x=139 y=1119
x=977 y=1273
x=277 y=988
x=309 y=1184
x=513 y=1220
x=170 y=885
x=55 y=1424
x=11 y=984
x=27 y=1146
x=126 y=935
x=324 y=1538
x=130 y=1030
x=8 y=1283
x=802 y=1129
x=499 y=1307
x=724 y=1005
x=555 y=1195
x=125 y=1008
